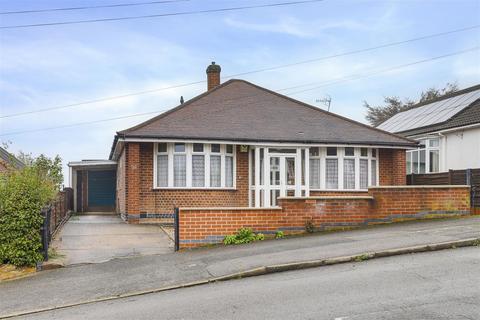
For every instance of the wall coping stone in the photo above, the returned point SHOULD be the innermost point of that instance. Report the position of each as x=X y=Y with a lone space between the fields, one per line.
x=328 y=198
x=443 y=186
x=228 y=208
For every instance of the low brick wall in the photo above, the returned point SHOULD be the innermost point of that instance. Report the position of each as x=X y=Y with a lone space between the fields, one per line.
x=201 y=226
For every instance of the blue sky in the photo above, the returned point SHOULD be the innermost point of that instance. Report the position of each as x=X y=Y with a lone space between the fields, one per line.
x=58 y=65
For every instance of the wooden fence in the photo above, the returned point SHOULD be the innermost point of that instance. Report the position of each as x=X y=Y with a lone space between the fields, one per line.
x=469 y=177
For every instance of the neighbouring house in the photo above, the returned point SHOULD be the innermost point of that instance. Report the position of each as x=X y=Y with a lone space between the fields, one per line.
x=447 y=128
x=8 y=160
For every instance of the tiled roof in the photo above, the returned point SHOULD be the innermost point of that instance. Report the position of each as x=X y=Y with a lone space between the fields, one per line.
x=241 y=111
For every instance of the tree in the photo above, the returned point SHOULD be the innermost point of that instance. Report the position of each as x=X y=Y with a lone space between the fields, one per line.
x=393 y=105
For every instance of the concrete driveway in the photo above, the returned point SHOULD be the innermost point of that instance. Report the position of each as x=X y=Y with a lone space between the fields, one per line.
x=99 y=238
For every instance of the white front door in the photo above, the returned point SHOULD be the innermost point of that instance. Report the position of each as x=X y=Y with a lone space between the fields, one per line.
x=282 y=176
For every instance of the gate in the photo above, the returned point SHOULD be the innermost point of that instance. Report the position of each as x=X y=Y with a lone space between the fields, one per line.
x=45 y=231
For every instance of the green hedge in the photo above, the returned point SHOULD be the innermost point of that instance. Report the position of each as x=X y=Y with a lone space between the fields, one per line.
x=23 y=193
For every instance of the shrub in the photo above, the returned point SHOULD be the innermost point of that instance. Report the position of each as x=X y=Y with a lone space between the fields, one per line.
x=243 y=235
x=279 y=235
x=23 y=193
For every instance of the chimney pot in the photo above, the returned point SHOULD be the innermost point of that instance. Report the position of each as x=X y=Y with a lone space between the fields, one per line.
x=213 y=75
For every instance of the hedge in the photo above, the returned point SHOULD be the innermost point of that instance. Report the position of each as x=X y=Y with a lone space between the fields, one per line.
x=23 y=194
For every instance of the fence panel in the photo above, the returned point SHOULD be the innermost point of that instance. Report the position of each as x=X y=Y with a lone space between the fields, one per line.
x=453 y=177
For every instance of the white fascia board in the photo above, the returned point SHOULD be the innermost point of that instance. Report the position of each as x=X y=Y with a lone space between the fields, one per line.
x=427 y=134
x=91 y=163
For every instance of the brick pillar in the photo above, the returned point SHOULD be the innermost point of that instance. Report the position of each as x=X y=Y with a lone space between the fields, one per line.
x=132 y=180
x=399 y=169
x=392 y=167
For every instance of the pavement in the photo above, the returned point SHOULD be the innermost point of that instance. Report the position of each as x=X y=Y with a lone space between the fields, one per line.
x=123 y=276
x=436 y=285
x=94 y=238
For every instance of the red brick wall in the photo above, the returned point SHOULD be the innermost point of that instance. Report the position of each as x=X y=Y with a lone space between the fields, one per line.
x=121 y=184
x=392 y=167
x=142 y=198
x=132 y=178
x=383 y=205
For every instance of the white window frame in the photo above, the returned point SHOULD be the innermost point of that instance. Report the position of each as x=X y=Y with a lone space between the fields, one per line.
x=427 y=150
x=189 y=153
x=340 y=156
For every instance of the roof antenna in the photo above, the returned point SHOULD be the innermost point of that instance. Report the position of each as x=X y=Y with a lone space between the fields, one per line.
x=327 y=101
x=181 y=100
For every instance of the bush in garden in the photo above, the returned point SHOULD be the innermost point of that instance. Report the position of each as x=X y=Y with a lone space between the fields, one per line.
x=23 y=194
x=244 y=235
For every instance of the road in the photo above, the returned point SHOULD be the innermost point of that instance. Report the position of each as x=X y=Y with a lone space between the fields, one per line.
x=436 y=285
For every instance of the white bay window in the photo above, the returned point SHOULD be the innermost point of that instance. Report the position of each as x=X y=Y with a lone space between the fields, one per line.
x=187 y=165
x=425 y=159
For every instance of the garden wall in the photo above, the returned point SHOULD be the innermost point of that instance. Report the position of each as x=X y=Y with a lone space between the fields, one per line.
x=202 y=226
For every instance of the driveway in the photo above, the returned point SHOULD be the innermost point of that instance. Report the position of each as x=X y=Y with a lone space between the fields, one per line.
x=99 y=238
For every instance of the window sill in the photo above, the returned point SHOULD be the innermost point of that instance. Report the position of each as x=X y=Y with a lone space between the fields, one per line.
x=195 y=188
x=340 y=190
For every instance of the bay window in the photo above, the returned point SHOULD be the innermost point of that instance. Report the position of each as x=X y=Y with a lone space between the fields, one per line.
x=194 y=165
x=314 y=176
x=363 y=168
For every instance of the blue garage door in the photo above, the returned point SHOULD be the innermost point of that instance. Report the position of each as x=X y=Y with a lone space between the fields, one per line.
x=101 y=188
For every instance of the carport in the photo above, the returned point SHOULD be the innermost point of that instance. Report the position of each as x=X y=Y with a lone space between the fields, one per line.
x=94 y=185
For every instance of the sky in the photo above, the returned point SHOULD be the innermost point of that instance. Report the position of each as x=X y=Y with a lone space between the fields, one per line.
x=51 y=66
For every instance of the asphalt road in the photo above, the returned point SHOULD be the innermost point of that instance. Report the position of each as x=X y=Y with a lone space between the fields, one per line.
x=437 y=285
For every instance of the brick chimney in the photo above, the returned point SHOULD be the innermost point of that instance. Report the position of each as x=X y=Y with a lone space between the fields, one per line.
x=213 y=76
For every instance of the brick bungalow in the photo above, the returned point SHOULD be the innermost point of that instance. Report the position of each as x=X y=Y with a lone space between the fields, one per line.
x=240 y=152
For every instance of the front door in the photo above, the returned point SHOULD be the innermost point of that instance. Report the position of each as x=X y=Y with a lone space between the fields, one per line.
x=282 y=177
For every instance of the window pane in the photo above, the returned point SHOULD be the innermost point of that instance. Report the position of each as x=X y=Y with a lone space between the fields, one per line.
x=434 y=143
x=409 y=162
x=277 y=150
x=415 y=161
x=315 y=173
x=349 y=174
x=374 y=153
x=162 y=147
x=198 y=170
x=179 y=171
x=228 y=172
x=331 y=151
x=179 y=147
x=422 y=161
x=253 y=166
x=275 y=171
x=198 y=147
x=373 y=172
x=229 y=148
x=261 y=166
x=331 y=173
x=349 y=151
x=162 y=171
x=314 y=152
x=290 y=171
x=363 y=173
x=215 y=148
x=215 y=171
x=364 y=152
x=303 y=166
x=434 y=161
